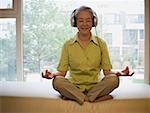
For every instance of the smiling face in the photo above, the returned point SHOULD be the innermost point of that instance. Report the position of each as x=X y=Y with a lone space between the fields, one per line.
x=84 y=22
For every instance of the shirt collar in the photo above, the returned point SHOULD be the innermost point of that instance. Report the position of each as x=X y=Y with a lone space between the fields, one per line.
x=92 y=38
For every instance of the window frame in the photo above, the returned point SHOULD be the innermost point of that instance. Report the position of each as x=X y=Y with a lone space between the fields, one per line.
x=147 y=42
x=16 y=12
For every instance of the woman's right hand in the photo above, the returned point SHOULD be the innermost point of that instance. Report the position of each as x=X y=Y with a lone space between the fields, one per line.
x=47 y=75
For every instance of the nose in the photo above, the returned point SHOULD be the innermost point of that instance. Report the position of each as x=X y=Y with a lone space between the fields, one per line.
x=85 y=22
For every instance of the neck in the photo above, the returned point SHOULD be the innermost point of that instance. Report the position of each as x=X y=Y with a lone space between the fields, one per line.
x=84 y=37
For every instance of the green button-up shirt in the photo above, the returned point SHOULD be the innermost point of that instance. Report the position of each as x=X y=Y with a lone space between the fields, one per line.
x=84 y=64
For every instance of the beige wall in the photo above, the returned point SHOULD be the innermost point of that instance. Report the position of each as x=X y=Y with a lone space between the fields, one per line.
x=147 y=41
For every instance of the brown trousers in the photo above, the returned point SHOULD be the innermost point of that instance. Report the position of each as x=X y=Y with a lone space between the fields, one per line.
x=69 y=90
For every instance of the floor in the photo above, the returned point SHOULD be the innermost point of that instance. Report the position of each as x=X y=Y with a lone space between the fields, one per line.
x=44 y=105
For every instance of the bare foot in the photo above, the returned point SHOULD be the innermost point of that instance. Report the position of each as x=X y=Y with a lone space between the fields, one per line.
x=86 y=99
x=103 y=98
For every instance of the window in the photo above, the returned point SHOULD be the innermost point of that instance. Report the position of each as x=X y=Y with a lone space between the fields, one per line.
x=130 y=57
x=10 y=40
x=142 y=34
x=46 y=27
x=8 y=48
x=108 y=38
x=130 y=37
x=6 y=4
x=115 y=58
x=111 y=18
x=44 y=32
x=135 y=19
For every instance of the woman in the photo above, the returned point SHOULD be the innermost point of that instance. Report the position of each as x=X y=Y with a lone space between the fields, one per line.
x=84 y=56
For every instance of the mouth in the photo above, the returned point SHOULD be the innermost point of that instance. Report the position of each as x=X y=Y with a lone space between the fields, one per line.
x=84 y=29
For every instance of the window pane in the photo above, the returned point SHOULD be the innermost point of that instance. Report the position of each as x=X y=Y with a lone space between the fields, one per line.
x=108 y=38
x=115 y=19
x=47 y=26
x=135 y=18
x=130 y=56
x=130 y=37
x=115 y=58
x=6 y=4
x=8 y=49
x=141 y=34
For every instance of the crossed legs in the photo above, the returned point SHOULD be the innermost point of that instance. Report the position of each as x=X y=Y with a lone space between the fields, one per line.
x=100 y=90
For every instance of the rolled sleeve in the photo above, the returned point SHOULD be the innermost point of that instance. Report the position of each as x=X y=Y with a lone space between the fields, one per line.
x=64 y=61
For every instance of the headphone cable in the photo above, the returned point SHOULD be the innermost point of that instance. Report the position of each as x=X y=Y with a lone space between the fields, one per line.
x=96 y=31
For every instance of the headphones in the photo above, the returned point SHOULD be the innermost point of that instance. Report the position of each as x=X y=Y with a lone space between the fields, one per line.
x=73 y=19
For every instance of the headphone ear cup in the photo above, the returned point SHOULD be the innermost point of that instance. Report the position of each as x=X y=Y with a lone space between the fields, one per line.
x=95 y=19
x=73 y=19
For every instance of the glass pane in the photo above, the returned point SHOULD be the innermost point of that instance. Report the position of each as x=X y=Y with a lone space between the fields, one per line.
x=130 y=37
x=47 y=26
x=8 y=49
x=6 y=4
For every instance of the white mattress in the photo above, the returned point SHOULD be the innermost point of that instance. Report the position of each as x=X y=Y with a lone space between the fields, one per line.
x=126 y=90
